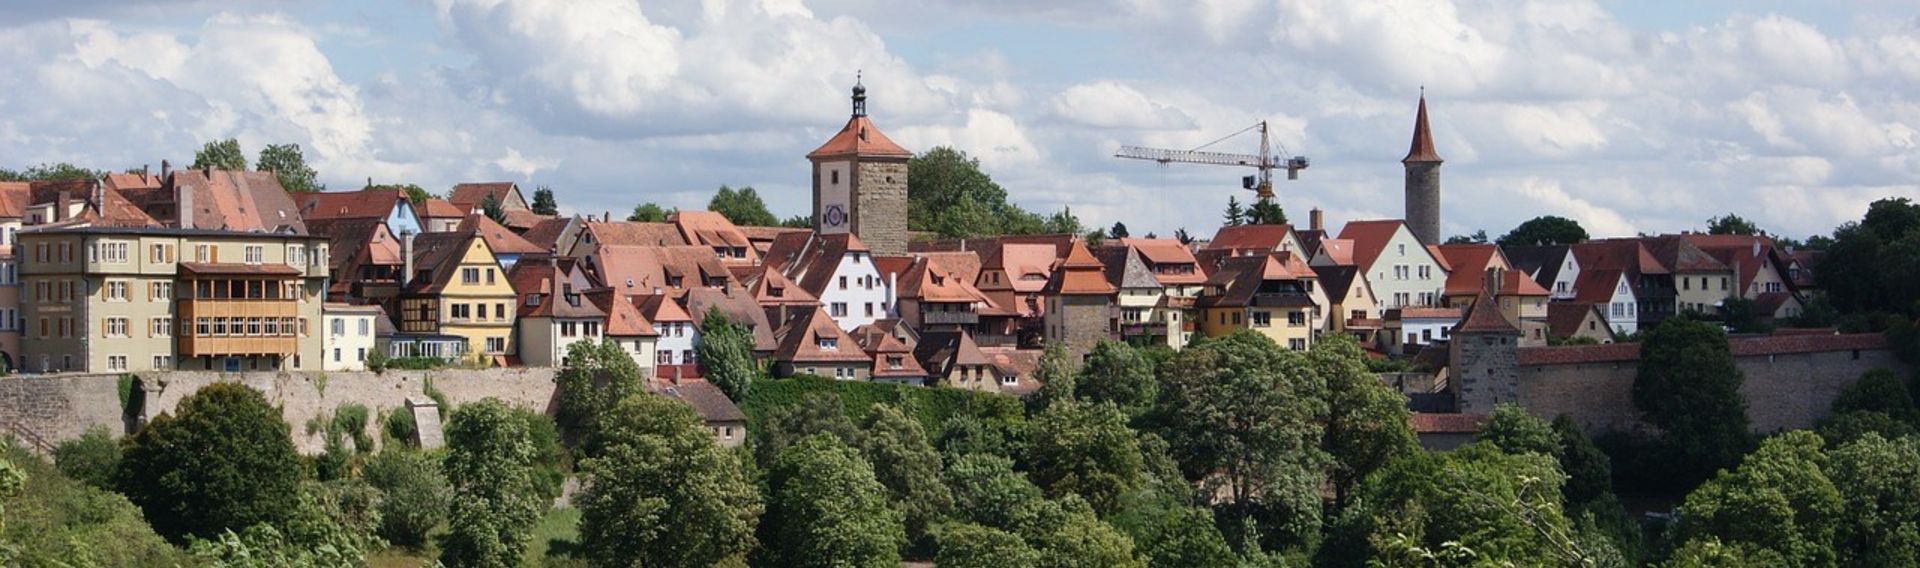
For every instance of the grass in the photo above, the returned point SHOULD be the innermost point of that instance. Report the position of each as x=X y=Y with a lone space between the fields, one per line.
x=555 y=536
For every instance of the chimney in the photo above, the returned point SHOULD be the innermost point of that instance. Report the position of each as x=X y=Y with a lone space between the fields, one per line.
x=1317 y=219
x=606 y=216
x=1494 y=276
x=166 y=169
x=60 y=206
x=100 y=197
x=406 y=257
x=369 y=182
x=183 y=202
x=143 y=171
x=207 y=170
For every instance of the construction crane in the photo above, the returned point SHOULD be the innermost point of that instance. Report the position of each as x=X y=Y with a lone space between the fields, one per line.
x=1265 y=161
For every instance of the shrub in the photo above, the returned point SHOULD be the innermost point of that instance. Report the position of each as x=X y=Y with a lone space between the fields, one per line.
x=416 y=495
x=54 y=520
x=93 y=458
x=225 y=461
x=401 y=428
x=930 y=406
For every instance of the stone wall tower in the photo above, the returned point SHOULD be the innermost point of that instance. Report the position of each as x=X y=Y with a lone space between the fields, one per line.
x=1423 y=181
x=860 y=183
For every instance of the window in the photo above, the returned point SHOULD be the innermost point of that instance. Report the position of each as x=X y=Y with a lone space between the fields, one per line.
x=116 y=362
x=116 y=327
x=500 y=311
x=203 y=253
x=496 y=344
x=1400 y=272
x=256 y=254
x=202 y=326
x=489 y=276
x=843 y=282
x=686 y=356
x=1262 y=319
x=1687 y=283
x=336 y=354
x=1297 y=344
x=1426 y=272
x=163 y=361
x=158 y=254
x=469 y=276
x=869 y=309
x=253 y=326
x=1296 y=319
x=364 y=325
x=161 y=290
x=1403 y=249
x=296 y=255
x=116 y=291
x=1236 y=318
x=461 y=311
x=339 y=328
x=160 y=327
x=829 y=343
x=839 y=309
x=569 y=329
x=663 y=358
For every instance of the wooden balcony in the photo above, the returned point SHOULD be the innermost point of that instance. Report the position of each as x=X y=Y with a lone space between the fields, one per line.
x=949 y=318
x=237 y=341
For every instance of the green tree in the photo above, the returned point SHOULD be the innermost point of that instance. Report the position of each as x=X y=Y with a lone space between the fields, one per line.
x=1504 y=508
x=1544 y=230
x=967 y=545
x=1181 y=235
x=1086 y=450
x=491 y=207
x=1068 y=535
x=1741 y=315
x=1266 y=212
x=93 y=458
x=648 y=213
x=1064 y=222
x=662 y=493
x=1478 y=237
x=221 y=155
x=1515 y=431
x=948 y=193
x=1731 y=224
x=289 y=165
x=742 y=206
x=816 y=413
x=543 y=202
x=1688 y=386
x=49 y=519
x=416 y=495
x=593 y=376
x=987 y=491
x=224 y=461
x=489 y=465
x=1055 y=374
x=416 y=195
x=1879 y=485
x=1874 y=264
x=1241 y=415
x=1117 y=373
x=1119 y=231
x=51 y=172
x=1589 y=470
x=907 y=466
x=726 y=355
x=798 y=222
x=1235 y=215
x=1169 y=532
x=965 y=435
x=1878 y=390
x=1778 y=500
x=1366 y=424
x=826 y=509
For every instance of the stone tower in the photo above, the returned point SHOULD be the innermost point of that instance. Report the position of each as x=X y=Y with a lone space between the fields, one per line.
x=860 y=183
x=1484 y=363
x=1423 y=181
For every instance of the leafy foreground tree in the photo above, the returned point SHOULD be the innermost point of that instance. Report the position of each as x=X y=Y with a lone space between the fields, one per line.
x=289 y=166
x=826 y=509
x=815 y=413
x=489 y=465
x=416 y=495
x=49 y=519
x=1688 y=386
x=726 y=355
x=543 y=202
x=1879 y=402
x=662 y=493
x=1117 y=373
x=1169 y=532
x=221 y=155
x=1514 y=431
x=649 y=213
x=1243 y=416
x=966 y=545
x=906 y=464
x=1086 y=450
x=1062 y=533
x=1366 y=425
x=1874 y=264
x=1057 y=381
x=224 y=462
x=331 y=526
x=1544 y=230
x=1879 y=484
x=93 y=458
x=593 y=377
x=1777 y=505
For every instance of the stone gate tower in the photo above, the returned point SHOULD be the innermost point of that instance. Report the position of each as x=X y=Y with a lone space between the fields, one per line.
x=860 y=184
x=1423 y=181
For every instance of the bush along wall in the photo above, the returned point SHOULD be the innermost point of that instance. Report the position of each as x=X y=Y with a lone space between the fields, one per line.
x=931 y=406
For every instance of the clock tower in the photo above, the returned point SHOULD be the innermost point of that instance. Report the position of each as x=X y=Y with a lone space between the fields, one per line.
x=860 y=183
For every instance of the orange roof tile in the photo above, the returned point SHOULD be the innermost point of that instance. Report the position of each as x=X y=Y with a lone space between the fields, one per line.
x=1080 y=274
x=801 y=340
x=363 y=204
x=440 y=208
x=502 y=240
x=859 y=138
x=1422 y=148
x=1370 y=239
x=634 y=233
x=1250 y=237
x=1468 y=264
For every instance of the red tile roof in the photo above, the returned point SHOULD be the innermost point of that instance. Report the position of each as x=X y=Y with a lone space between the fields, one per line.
x=1484 y=317
x=1370 y=238
x=469 y=196
x=1596 y=285
x=238 y=201
x=811 y=259
x=1340 y=251
x=14 y=196
x=800 y=340
x=707 y=400
x=1168 y=252
x=1468 y=264
x=500 y=239
x=859 y=138
x=1262 y=238
x=927 y=280
x=634 y=233
x=1422 y=148
x=1564 y=319
x=440 y=209
x=1080 y=274
x=771 y=288
x=363 y=204
x=623 y=318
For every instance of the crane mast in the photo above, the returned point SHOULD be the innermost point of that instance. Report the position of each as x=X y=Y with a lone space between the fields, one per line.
x=1265 y=161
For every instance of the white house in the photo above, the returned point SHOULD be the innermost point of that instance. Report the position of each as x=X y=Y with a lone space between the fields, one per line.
x=1401 y=269
x=350 y=336
x=839 y=270
x=677 y=335
x=1612 y=291
x=1418 y=327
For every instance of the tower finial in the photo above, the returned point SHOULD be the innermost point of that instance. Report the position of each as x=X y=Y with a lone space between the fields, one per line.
x=859 y=94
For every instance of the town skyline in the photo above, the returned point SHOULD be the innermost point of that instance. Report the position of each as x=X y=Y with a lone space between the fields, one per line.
x=436 y=95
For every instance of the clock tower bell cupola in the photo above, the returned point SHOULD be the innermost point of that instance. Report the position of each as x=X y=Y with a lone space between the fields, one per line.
x=860 y=183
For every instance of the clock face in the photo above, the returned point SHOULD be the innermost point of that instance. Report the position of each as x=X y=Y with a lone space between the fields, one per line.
x=834 y=216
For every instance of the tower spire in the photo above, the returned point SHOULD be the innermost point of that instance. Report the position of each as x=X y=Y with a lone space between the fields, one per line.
x=859 y=95
x=1422 y=147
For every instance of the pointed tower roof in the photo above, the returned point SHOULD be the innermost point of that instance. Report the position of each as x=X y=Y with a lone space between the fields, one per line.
x=1485 y=317
x=1422 y=149
x=859 y=137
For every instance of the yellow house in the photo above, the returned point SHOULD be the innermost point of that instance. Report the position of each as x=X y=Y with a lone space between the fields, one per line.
x=456 y=302
x=1273 y=294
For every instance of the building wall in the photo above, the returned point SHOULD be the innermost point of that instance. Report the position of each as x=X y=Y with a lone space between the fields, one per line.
x=543 y=342
x=1561 y=288
x=1485 y=371
x=1423 y=201
x=1404 y=250
x=881 y=206
x=491 y=292
x=1702 y=291
x=1782 y=391
x=678 y=339
x=10 y=322
x=642 y=350
x=402 y=220
x=1280 y=329
x=865 y=294
x=347 y=347
x=1078 y=322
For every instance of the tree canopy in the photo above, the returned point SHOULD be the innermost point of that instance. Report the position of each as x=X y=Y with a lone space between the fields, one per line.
x=661 y=492
x=948 y=194
x=1731 y=224
x=1688 y=387
x=1778 y=501
x=493 y=209
x=415 y=194
x=726 y=355
x=543 y=202
x=905 y=463
x=1266 y=212
x=825 y=508
x=289 y=165
x=1545 y=230
x=1119 y=374
x=223 y=461
x=490 y=466
x=742 y=206
x=51 y=172
x=1874 y=265
x=221 y=155
x=649 y=213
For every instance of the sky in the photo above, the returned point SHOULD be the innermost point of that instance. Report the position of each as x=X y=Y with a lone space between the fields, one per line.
x=1626 y=115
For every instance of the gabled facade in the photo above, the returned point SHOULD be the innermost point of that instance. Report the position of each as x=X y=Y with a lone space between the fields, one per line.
x=1079 y=303
x=367 y=260
x=458 y=291
x=439 y=216
x=893 y=360
x=389 y=206
x=627 y=328
x=1403 y=271
x=1551 y=266
x=1271 y=294
x=674 y=351
x=507 y=246
x=1145 y=313
x=951 y=358
x=469 y=197
x=1350 y=306
x=840 y=271
x=713 y=230
x=552 y=313
x=1569 y=321
x=813 y=344
x=860 y=184
x=932 y=297
x=1613 y=293
x=352 y=332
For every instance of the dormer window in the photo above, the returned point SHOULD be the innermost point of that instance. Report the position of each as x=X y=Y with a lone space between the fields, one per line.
x=533 y=300
x=829 y=343
x=895 y=361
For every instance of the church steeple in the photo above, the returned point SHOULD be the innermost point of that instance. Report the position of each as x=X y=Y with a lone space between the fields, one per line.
x=860 y=96
x=1423 y=180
